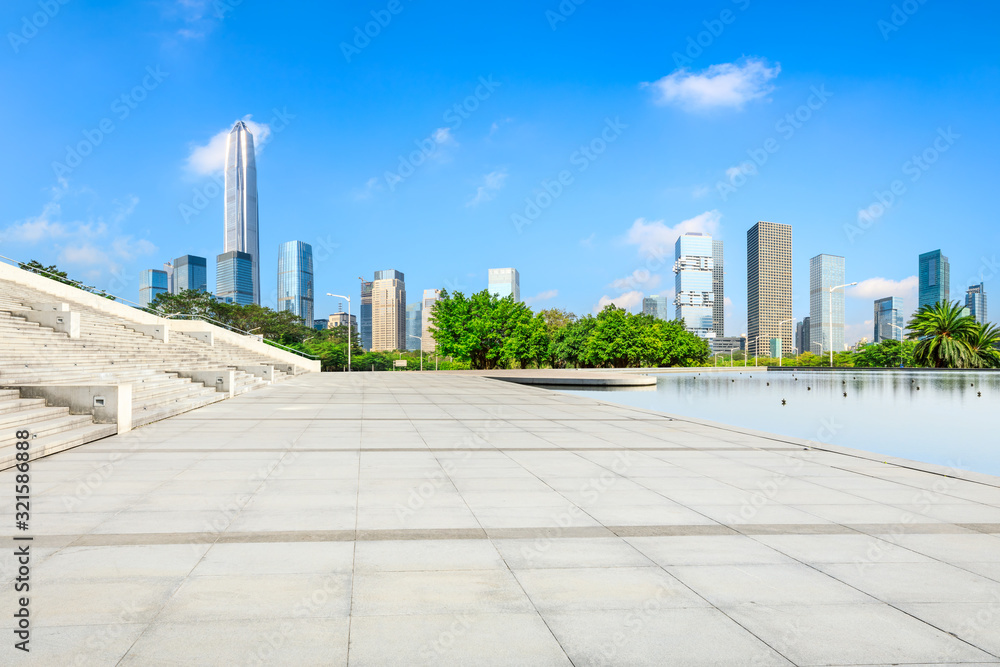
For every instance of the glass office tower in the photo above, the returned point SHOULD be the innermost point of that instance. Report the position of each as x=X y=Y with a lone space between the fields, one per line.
x=693 y=282
x=975 y=301
x=365 y=314
x=414 y=325
x=190 y=273
x=241 y=202
x=657 y=306
x=719 y=289
x=505 y=282
x=935 y=278
x=888 y=319
x=826 y=271
x=802 y=336
x=151 y=283
x=769 y=284
x=295 y=279
x=234 y=278
x=427 y=339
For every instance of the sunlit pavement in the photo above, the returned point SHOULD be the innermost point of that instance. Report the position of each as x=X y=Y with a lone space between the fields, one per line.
x=404 y=518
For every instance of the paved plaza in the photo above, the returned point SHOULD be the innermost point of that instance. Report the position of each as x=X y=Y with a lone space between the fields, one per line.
x=408 y=518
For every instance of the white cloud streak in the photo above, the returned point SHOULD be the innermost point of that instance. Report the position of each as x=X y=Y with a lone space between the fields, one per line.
x=729 y=85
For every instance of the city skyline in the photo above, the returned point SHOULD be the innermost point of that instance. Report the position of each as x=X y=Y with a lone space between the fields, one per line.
x=104 y=206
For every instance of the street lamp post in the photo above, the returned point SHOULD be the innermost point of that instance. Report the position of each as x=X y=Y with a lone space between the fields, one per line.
x=901 y=334
x=421 y=349
x=781 y=357
x=349 y=341
x=831 y=290
x=756 y=349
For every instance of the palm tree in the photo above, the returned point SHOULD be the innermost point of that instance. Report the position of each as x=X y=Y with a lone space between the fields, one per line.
x=983 y=345
x=943 y=332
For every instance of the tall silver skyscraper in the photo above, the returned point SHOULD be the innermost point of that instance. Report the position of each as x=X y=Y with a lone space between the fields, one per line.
x=694 y=294
x=241 y=200
x=826 y=272
x=719 y=288
x=295 y=279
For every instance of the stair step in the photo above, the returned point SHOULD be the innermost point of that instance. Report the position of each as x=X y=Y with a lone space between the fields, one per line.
x=58 y=442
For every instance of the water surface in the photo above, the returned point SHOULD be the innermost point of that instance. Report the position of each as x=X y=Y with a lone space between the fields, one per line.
x=948 y=418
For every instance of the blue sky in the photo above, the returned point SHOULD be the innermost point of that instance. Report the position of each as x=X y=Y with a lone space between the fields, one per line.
x=433 y=147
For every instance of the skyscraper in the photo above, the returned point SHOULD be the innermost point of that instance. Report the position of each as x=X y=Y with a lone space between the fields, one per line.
x=719 y=289
x=769 y=284
x=414 y=325
x=657 y=306
x=802 y=335
x=888 y=319
x=241 y=202
x=151 y=283
x=693 y=283
x=190 y=273
x=234 y=278
x=427 y=341
x=295 y=279
x=935 y=278
x=975 y=301
x=826 y=271
x=505 y=282
x=388 y=311
x=168 y=268
x=366 y=314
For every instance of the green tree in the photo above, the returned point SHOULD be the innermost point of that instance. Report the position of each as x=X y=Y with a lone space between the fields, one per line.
x=888 y=353
x=52 y=272
x=983 y=343
x=943 y=332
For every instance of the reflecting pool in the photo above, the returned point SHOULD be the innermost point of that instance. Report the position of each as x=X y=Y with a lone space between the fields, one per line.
x=949 y=418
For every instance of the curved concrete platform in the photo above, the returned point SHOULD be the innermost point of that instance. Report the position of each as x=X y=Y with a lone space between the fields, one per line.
x=567 y=378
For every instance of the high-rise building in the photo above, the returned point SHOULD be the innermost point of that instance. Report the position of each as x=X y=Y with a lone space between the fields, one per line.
x=505 y=282
x=427 y=341
x=975 y=301
x=319 y=325
x=414 y=325
x=190 y=273
x=888 y=319
x=657 y=306
x=802 y=336
x=341 y=320
x=168 y=268
x=728 y=344
x=151 y=283
x=295 y=279
x=935 y=278
x=693 y=283
x=388 y=311
x=234 y=278
x=719 y=288
x=365 y=313
x=241 y=202
x=825 y=272
x=769 y=284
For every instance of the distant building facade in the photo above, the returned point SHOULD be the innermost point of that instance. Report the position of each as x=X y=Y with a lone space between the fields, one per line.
x=234 y=278
x=718 y=288
x=934 y=274
x=975 y=301
x=388 y=311
x=728 y=344
x=505 y=282
x=168 y=268
x=295 y=279
x=320 y=325
x=769 y=283
x=365 y=313
x=414 y=325
x=152 y=282
x=802 y=335
x=888 y=319
x=826 y=272
x=657 y=306
x=190 y=273
x=693 y=283
x=427 y=341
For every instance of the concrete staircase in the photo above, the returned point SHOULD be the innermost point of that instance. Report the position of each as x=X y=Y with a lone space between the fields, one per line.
x=110 y=350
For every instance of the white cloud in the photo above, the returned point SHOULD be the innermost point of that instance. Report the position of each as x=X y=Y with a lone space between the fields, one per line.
x=656 y=240
x=128 y=249
x=493 y=182
x=84 y=255
x=628 y=301
x=542 y=296
x=210 y=158
x=38 y=228
x=729 y=85
x=877 y=288
x=638 y=278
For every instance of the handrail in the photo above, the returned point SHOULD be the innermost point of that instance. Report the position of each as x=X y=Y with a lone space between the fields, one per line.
x=241 y=331
x=76 y=283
